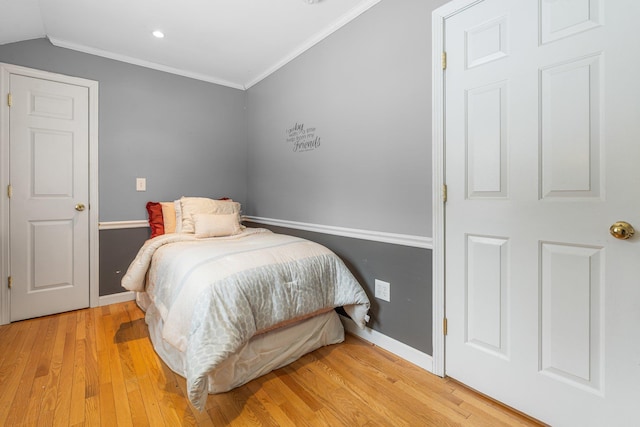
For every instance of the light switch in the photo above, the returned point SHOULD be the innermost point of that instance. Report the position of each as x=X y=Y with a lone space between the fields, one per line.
x=141 y=184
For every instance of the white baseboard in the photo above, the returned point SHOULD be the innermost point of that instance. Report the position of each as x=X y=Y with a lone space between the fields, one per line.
x=402 y=350
x=116 y=298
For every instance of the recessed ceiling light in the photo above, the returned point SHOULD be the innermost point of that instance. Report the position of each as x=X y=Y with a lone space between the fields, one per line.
x=157 y=33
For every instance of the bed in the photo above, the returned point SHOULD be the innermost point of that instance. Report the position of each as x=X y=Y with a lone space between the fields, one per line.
x=226 y=307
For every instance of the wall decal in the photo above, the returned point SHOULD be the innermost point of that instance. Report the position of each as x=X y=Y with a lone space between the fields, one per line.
x=302 y=139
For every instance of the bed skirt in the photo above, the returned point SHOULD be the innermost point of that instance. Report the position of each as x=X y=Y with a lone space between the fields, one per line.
x=261 y=355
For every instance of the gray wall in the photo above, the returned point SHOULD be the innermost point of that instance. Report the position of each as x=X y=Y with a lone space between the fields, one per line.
x=117 y=249
x=187 y=137
x=366 y=90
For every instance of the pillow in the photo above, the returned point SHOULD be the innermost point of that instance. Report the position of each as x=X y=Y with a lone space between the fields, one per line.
x=169 y=217
x=216 y=225
x=156 y=222
x=178 y=208
x=202 y=205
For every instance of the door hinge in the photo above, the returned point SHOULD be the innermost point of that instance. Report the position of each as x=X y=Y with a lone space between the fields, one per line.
x=9 y=281
x=444 y=326
x=9 y=99
x=9 y=191
x=444 y=193
x=444 y=60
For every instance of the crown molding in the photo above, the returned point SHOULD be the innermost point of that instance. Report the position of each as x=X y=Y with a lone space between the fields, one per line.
x=297 y=51
x=313 y=40
x=142 y=63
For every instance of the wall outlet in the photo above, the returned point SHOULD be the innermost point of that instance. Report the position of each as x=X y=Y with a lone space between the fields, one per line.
x=141 y=184
x=383 y=290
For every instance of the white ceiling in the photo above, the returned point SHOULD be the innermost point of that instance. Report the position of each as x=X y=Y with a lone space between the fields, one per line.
x=235 y=43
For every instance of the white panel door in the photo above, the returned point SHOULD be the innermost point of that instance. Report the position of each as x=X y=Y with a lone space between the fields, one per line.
x=542 y=149
x=49 y=175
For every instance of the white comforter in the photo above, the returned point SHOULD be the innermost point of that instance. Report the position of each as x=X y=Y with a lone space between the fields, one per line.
x=215 y=294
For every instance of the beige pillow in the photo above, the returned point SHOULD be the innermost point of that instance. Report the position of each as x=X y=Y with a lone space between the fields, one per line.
x=202 y=205
x=169 y=217
x=216 y=225
x=177 y=207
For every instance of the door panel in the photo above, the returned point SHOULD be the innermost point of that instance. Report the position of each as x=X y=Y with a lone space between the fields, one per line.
x=47 y=269
x=486 y=294
x=541 y=126
x=570 y=122
x=559 y=19
x=52 y=161
x=49 y=175
x=571 y=313
x=486 y=109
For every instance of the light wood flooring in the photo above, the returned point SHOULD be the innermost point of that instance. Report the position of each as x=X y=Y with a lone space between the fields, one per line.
x=97 y=367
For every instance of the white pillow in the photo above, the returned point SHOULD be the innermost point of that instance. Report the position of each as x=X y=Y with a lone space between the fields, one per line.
x=202 y=205
x=178 y=208
x=216 y=225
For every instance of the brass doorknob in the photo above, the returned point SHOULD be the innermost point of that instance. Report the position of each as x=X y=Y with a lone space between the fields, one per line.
x=79 y=207
x=621 y=230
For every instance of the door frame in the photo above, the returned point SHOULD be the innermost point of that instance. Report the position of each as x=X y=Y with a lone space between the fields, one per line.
x=5 y=72
x=438 y=18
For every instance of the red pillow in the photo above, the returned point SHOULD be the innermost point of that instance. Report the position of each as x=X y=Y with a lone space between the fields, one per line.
x=156 y=221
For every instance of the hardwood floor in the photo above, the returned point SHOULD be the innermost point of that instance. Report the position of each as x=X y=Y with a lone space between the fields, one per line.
x=97 y=367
